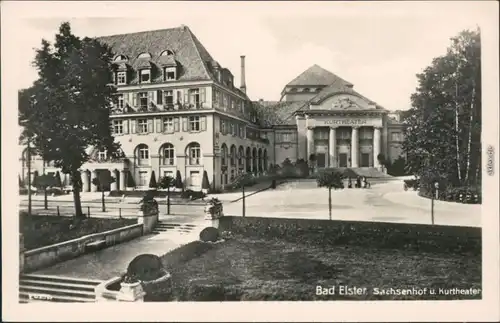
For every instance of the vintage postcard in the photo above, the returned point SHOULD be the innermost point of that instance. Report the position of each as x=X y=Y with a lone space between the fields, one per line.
x=250 y=161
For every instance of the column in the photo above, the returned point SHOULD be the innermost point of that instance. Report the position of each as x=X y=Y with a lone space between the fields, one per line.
x=332 y=149
x=123 y=180
x=93 y=174
x=114 y=185
x=376 y=147
x=85 y=181
x=354 y=147
x=310 y=142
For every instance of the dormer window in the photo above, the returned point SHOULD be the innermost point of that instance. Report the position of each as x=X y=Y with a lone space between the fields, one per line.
x=120 y=58
x=167 y=53
x=169 y=74
x=144 y=55
x=121 y=78
x=102 y=155
x=307 y=90
x=145 y=75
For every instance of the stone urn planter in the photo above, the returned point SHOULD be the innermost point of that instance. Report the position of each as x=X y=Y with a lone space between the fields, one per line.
x=131 y=291
x=213 y=209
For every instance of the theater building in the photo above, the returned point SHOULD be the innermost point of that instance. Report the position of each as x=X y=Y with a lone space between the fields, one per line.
x=178 y=109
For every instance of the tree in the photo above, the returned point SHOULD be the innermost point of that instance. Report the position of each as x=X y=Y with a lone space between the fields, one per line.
x=166 y=182
x=72 y=100
x=152 y=181
x=205 y=183
x=102 y=180
x=443 y=127
x=398 y=167
x=330 y=180
x=178 y=181
x=44 y=182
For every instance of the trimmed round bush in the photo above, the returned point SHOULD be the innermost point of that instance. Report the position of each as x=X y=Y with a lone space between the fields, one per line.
x=209 y=234
x=146 y=267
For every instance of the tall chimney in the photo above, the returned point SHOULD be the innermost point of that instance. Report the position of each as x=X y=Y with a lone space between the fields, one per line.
x=243 y=86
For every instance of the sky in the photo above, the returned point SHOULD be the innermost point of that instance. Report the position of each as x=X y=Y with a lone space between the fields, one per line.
x=379 y=47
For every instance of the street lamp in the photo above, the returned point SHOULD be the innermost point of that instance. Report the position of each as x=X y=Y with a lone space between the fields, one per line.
x=435 y=195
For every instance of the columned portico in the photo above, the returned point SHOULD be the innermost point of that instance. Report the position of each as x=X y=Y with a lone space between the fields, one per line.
x=354 y=147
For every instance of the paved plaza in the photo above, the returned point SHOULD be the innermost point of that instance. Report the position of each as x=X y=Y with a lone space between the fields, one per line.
x=385 y=202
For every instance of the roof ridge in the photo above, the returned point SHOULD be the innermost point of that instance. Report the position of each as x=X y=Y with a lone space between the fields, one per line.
x=142 y=32
x=195 y=41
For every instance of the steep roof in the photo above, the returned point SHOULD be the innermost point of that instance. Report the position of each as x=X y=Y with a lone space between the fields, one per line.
x=189 y=53
x=316 y=76
x=272 y=113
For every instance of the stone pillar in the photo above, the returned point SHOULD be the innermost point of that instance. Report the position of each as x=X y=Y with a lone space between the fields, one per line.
x=123 y=180
x=93 y=174
x=354 y=147
x=376 y=147
x=114 y=186
x=85 y=181
x=310 y=142
x=332 y=149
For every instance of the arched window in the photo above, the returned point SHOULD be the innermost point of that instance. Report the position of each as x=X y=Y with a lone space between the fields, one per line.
x=142 y=155
x=167 y=52
x=144 y=55
x=233 y=155
x=265 y=159
x=223 y=153
x=248 y=156
x=260 y=163
x=241 y=153
x=167 y=153
x=194 y=153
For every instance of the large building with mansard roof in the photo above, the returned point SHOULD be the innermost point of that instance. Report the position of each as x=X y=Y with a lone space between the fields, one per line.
x=178 y=109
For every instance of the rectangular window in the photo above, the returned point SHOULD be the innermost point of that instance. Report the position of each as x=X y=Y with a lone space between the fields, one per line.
x=396 y=136
x=168 y=124
x=286 y=137
x=168 y=155
x=168 y=173
x=169 y=74
x=121 y=78
x=159 y=97
x=120 y=103
x=143 y=100
x=169 y=98
x=101 y=155
x=145 y=76
x=194 y=123
x=233 y=131
x=194 y=97
x=142 y=126
x=194 y=155
x=223 y=127
x=117 y=127
x=233 y=104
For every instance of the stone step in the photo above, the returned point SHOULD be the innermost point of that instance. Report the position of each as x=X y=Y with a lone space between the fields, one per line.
x=25 y=298
x=56 y=291
x=61 y=279
x=42 y=283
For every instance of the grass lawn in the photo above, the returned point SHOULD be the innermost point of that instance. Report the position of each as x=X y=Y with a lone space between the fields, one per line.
x=40 y=231
x=247 y=269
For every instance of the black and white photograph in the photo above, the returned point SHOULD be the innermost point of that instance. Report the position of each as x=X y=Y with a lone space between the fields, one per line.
x=239 y=157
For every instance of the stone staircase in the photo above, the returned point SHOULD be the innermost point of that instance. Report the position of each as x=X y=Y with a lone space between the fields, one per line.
x=369 y=172
x=183 y=229
x=43 y=288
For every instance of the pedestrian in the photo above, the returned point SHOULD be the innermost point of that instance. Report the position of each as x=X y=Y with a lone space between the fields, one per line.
x=358 y=182
x=349 y=183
